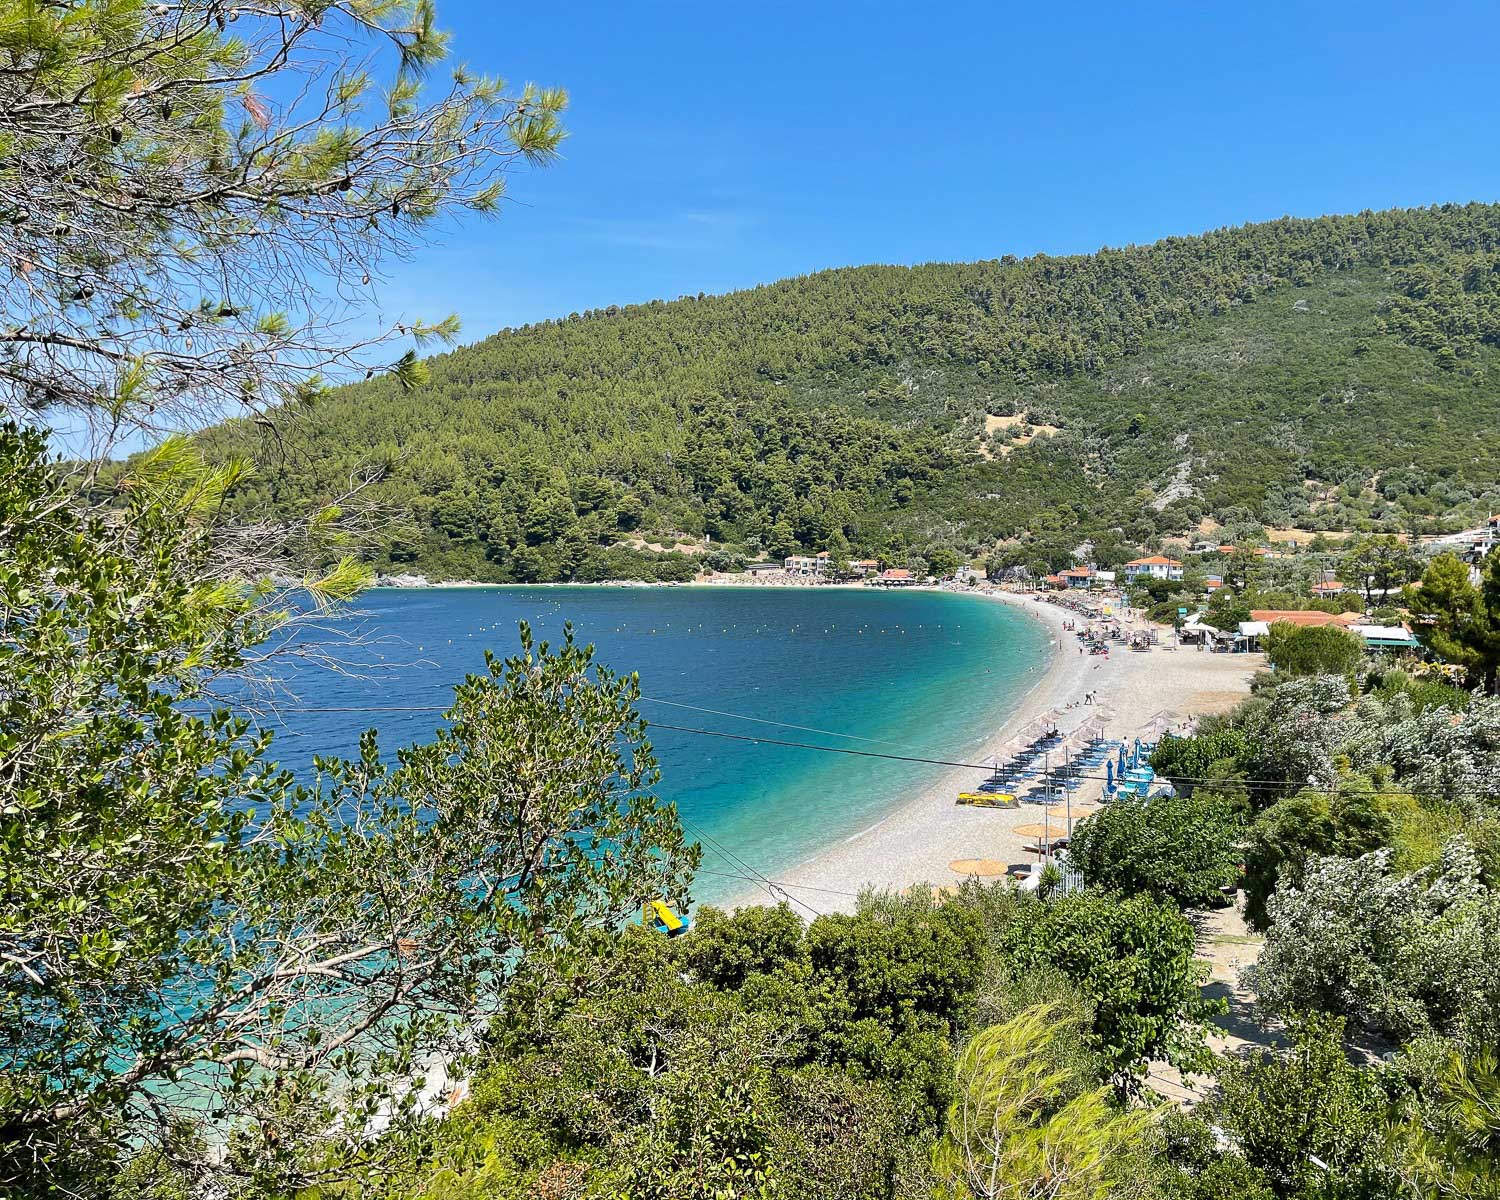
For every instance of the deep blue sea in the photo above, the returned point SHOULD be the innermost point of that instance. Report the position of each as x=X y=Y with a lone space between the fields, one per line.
x=921 y=673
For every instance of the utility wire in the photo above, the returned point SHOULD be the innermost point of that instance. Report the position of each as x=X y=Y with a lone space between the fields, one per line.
x=781 y=883
x=435 y=708
x=941 y=762
x=919 y=759
x=766 y=721
x=774 y=889
x=765 y=741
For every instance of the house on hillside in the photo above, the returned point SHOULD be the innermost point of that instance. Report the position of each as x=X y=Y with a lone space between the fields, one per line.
x=1328 y=587
x=864 y=566
x=1077 y=577
x=1472 y=545
x=1157 y=566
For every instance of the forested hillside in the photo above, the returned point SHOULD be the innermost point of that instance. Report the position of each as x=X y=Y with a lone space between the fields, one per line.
x=1330 y=373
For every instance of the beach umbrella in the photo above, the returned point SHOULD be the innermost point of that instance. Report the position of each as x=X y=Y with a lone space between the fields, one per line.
x=977 y=866
x=1109 y=775
x=1047 y=831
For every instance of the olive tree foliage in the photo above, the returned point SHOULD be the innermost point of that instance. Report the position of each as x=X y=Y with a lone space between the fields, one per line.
x=1436 y=752
x=197 y=197
x=1347 y=821
x=631 y=1078
x=212 y=971
x=1291 y=738
x=1313 y=650
x=1131 y=957
x=1397 y=955
x=1281 y=1111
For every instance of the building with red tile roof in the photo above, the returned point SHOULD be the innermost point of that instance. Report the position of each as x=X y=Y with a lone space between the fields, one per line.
x=1156 y=566
x=1305 y=617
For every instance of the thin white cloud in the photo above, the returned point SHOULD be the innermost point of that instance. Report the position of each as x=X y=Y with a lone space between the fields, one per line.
x=687 y=232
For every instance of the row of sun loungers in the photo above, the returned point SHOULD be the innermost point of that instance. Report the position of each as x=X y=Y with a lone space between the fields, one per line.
x=1046 y=769
x=1051 y=767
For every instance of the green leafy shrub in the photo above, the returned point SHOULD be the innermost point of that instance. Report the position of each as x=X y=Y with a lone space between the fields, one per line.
x=1179 y=849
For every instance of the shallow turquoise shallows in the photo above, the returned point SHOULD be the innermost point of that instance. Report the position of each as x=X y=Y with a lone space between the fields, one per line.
x=924 y=674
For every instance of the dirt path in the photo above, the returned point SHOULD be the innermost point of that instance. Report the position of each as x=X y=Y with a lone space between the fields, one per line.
x=1226 y=946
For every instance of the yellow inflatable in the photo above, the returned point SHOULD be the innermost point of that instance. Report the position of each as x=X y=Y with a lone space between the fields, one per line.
x=657 y=914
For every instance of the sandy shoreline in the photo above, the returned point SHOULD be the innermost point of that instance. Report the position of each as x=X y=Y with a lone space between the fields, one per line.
x=924 y=833
x=916 y=842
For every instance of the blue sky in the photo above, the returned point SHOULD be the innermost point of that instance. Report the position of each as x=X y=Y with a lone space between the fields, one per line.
x=715 y=146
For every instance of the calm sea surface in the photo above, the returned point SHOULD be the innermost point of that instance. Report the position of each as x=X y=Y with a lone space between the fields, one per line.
x=902 y=673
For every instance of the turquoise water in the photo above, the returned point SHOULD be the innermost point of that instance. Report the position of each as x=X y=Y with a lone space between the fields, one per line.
x=921 y=673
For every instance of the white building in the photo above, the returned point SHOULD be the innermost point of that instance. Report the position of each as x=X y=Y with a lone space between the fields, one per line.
x=1154 y=567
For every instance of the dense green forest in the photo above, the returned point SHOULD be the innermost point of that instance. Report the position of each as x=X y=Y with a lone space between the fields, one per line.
x=1328 y=373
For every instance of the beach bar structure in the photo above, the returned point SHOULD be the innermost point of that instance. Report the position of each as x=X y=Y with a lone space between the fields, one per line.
x=1386 y=637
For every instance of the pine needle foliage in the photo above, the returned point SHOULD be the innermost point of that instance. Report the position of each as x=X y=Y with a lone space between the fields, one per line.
x=1021 y=1129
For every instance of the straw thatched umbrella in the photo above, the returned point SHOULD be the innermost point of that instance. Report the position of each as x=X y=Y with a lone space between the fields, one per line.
x=977 y=866
x=1048 y=831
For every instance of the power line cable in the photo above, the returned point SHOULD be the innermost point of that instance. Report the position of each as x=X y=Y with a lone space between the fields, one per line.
x=937 y=762
x=765 y=741
x=782 y=891
x=941 y=762
x=781 y=883
x=766 y=721
x=435 y=708
x=774 y=889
